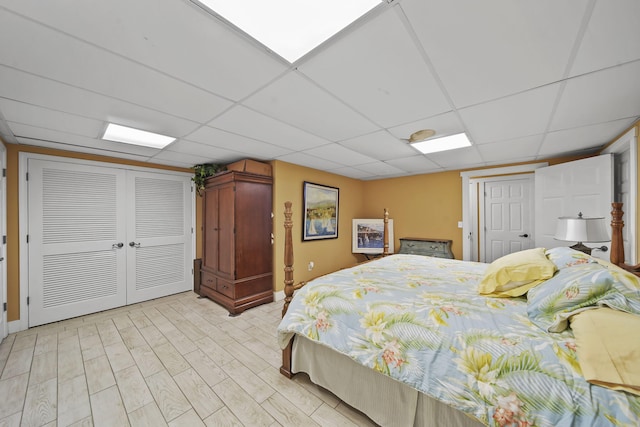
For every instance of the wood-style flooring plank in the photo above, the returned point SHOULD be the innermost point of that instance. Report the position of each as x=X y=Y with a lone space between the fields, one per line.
x=41 y=404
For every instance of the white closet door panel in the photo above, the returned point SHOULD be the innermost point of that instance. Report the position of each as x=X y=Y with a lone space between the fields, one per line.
x=159 y=261
x=76 y=221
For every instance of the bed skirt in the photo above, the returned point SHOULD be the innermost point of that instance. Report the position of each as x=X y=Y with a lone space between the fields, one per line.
x=386 y=401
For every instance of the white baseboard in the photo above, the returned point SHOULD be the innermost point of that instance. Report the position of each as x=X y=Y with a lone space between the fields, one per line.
x=278 y=295
x=17 y=326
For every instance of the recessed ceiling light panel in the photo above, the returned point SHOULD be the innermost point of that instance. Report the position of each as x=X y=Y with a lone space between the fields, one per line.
x=290 y=28
x=133 y=136
x=445 y=143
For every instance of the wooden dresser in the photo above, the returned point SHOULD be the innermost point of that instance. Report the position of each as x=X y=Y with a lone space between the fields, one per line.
x=237 y=254
x=421 y=246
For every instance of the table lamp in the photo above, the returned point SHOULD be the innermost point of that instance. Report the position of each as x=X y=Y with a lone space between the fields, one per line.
x=580 y=229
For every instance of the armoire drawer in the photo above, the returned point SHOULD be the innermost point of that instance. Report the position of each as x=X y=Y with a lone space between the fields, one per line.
x=208 y=280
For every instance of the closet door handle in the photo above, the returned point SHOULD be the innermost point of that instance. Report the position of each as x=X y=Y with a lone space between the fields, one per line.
x=117 y=245
x=523 y=235
x=134 y=244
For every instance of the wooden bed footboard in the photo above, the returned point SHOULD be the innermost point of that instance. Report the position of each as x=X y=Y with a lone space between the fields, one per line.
x=290 y=287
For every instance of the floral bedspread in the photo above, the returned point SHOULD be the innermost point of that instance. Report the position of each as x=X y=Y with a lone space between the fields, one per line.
x=421 y=321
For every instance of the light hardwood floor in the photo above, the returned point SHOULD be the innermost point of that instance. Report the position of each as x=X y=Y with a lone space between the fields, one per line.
x=177 y=361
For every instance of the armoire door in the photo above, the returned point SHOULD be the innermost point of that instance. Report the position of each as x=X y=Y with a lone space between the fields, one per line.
x=159 y=235
x=77 y=253
x=226 y=232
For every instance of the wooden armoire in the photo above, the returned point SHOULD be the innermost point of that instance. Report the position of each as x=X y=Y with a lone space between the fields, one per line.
x=237 y=267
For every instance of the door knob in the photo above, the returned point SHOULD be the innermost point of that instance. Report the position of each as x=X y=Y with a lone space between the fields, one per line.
x=134 y=244
x=117 y=245
x=523 y=235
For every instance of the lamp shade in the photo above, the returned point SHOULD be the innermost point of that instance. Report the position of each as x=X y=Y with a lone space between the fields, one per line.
x=580 y=229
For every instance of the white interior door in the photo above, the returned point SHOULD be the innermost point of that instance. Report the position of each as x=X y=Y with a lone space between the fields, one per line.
x=625 y=151
x=506 y=215
x=77 y=257
x=569 y=188
x=158 y=235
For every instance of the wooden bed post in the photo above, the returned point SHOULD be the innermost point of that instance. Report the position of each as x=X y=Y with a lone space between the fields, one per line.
x=385 y=251
x=288 y=257
x=617 y=242
x=289 y=288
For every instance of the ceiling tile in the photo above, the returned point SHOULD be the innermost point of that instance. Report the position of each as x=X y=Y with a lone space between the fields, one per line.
x=599 y=97
x=380 y=145
x=339 y=154
x=206 y=153
x=415 y=164
x=457 y=159
x=310 y=161
x=27 y=114
x=612 y=36
x=380 y=73
x=485 y=51
x=511 y=117
x=381 y=169
x=65 y=59
x=61 y=97
x=443 y=124
x=504 y=151
x=81 y=149
x=199 y=49
x=181 y=158
x=576 y=139
x=246 y=146
x=68 y=141
x=242 y=120
x=295 y=100
x=352 y=173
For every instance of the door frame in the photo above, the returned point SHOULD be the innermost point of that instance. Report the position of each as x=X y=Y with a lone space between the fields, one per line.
x=470 y=206
x=4 y=329
x=629 y=141
x=23 y=217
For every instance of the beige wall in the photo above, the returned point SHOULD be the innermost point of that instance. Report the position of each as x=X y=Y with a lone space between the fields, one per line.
x=421 y=206
x=328 y=255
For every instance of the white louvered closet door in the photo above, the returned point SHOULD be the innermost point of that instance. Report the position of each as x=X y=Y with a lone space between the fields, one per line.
x=159 y=235
x=76 y=226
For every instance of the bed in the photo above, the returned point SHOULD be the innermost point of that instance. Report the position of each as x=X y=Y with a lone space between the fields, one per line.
x=409 y=340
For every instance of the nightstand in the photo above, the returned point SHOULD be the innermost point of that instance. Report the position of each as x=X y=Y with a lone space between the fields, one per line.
x=439 y=248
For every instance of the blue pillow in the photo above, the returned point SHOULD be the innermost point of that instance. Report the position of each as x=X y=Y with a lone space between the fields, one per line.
x=580 y=287
x=564 y=257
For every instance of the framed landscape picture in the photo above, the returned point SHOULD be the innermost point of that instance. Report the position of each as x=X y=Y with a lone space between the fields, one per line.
x=320 y=212
x=368 y=236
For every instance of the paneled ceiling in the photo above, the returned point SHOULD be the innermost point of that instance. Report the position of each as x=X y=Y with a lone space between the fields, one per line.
x=526 y=80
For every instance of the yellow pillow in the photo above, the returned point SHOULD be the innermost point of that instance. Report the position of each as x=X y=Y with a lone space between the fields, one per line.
x=514 y=274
